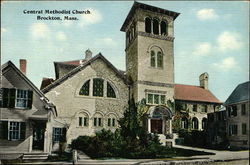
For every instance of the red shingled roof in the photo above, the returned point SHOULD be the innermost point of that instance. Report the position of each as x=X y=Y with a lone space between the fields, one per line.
x=194 y=93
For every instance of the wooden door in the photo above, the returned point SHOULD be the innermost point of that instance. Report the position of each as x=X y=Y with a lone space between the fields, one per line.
x=156 y=126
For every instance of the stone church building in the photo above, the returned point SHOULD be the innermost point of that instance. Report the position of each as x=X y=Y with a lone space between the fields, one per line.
x=91 y=94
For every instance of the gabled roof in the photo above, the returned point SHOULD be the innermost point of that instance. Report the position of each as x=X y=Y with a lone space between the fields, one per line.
x=143 y=6
x=79 y=68
x=46 y=82
x=194 y=93
x=75 y=62
x=10 y=64
x=240 y=94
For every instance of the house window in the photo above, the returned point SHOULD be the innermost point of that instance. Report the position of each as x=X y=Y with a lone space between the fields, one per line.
x=59 y=134
x=155 y=98
x=148 y=25
x=111 y=122
x=14 y=130
x=195 y=123
x=194 y=108
x=243 y=109
x=244 y=128
x=159 y=60
x=110 y=91
x=152 y=58
x=21 y=98
x=97 y=122
x=233 y=129
x=85 y=89
x=234 y=110
x=163 y=28
x=16 y=98
x=155 y=26
x=98 y=87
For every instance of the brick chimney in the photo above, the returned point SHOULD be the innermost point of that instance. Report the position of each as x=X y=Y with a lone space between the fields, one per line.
x=204 y=80
x=23 y=64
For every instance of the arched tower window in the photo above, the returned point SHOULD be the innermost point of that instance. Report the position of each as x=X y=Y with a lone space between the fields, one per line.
x=148 y=25
x=155 y=26
x=195 y=123
x=159 y=60
x=85 y=89
x=163 y=28
x=110 y=91
x=152 y=60
x=98 y=87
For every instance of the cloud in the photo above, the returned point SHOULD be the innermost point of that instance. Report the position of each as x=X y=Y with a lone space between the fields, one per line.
x=226 y=64
x=202 y=49
x=229 y=41
x=106 y=41
x=3 y=30
x=206 y=14
x=61 y=36
x=92 y=18
x=40 y=31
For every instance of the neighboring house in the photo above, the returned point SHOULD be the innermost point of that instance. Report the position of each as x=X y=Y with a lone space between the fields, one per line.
x=91 y=94
x=237 y=106
x=26 y=115
x=216 y=128
x=193 y=103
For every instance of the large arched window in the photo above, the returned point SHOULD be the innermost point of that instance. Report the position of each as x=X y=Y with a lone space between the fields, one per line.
x=155 y=26
x=152 y=60
x=204 y=123
x=85 y=89
x=98 y=87
x=148 y=25
x=164 y=28
x=159 y=60
x=195 y=123
x=110 y=91
x=184 y=123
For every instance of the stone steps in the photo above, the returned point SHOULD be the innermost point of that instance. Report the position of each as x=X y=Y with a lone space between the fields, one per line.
x=35 y=156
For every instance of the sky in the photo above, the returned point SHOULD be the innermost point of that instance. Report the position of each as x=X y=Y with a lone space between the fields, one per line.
x=210 y=37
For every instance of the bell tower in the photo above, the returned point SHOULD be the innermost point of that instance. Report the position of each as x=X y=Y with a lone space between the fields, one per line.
x=150 y=52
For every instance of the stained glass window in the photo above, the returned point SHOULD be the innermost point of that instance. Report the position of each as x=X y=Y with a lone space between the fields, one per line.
x=152 y=58
x=98 y=87
x=159 y=60
x=85 y=89
x=110 y=91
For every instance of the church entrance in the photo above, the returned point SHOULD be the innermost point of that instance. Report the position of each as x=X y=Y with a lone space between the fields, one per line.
x=160 y=120
x=156 y=126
